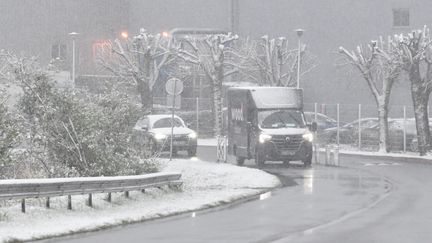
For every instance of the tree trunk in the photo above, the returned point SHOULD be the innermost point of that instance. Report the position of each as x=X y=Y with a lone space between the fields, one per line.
x=217 y=98
x=420 y=97
x=383 y=126
x=143 y=80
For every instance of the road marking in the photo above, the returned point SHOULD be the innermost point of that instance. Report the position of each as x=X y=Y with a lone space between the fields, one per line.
x=380 y=164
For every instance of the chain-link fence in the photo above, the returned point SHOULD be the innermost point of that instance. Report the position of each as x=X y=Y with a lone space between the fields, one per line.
x=196 y=112
x=356 y=126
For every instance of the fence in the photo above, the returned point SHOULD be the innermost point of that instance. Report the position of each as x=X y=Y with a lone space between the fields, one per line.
x=196 y=112
x=356 y=126
x=35 y=188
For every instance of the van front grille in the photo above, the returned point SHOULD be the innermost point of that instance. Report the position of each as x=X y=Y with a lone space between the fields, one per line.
x=292 y=143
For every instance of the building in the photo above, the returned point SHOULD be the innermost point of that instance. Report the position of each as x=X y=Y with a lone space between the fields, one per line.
x=41 y=27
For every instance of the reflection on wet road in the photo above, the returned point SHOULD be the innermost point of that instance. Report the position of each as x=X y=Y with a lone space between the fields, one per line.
x=323 y=197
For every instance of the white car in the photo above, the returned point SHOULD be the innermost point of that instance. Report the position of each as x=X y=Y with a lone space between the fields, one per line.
x=157 y=129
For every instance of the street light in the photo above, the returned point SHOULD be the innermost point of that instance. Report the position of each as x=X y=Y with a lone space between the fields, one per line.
x=299 y=34
x=73 y=36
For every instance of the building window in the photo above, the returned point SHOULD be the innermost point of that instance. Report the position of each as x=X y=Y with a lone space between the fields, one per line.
x=58 y=51
x=401 y=17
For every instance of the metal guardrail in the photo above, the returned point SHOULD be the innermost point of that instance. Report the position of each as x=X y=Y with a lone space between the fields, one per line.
x=36 y=188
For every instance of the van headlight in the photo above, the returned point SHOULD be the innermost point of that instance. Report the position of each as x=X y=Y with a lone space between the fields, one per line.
x=192 y=135
x=264 y=137
x=160 y=136
x=308 y=137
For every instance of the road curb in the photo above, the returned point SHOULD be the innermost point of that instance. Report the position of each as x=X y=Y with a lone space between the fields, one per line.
x=386 y=157
x=206 y=208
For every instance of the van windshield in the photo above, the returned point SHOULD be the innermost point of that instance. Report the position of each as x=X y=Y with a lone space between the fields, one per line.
x=281 y=118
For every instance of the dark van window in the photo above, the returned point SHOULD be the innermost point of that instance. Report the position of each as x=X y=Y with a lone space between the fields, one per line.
x=281 y=118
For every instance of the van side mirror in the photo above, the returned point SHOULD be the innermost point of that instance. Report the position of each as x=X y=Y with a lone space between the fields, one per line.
x=313 y=127
x=249 y=124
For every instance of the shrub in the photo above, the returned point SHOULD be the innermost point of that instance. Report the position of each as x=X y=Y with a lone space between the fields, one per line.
x=75 y=133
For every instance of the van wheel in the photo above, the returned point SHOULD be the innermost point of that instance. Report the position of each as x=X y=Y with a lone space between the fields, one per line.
x=307 y=161
x=192 y=151
x=259 y=159
x=240 y=160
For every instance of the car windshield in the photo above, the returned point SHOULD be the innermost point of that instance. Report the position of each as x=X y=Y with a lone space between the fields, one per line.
x=166 y=122
x=281 y=118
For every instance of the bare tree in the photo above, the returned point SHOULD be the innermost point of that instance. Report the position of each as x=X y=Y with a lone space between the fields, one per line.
x=277 y=63
x=416 y=52
x=215 y=55
x=380 y=66
x=142 y=58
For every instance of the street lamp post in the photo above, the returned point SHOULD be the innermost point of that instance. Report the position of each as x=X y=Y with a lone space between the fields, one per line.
x=73 y=35
x=299 y=34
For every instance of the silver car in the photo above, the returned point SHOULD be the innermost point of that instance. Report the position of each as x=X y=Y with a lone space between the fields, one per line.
x=157 y=130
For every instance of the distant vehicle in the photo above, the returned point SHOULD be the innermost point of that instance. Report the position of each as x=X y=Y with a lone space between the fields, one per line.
x=268 y=124
x=323 y=121
x=157 y=130
x=348 y=133
x=370 y=135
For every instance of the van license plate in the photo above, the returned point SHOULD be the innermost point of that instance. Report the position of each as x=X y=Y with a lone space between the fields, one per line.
x=287 y=153
x=179 y=143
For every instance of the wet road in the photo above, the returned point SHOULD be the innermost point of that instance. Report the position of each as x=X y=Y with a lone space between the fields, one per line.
x=364 y=201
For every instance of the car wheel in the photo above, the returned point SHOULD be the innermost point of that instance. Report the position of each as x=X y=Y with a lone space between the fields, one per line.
x=192 y=151
x=240 y=160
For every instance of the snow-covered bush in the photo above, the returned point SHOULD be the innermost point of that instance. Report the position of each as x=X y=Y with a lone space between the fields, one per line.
x=75 y=133
x=8 y=138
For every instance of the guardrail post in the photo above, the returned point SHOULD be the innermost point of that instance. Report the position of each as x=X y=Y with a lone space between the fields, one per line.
x=69 y=207
x=23 y=209
x=127 y=194
x=404 y=129
x=336 y=156
x=359 y=126
x=327 y=158
x=90 y=200
x=316 y=150
x=197 y=115
x=109 y=197
x=47 y=202
x=338 y=124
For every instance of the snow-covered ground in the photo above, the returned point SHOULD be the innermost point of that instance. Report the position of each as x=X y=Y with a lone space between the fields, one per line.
x=205 y=185
x=207 y=142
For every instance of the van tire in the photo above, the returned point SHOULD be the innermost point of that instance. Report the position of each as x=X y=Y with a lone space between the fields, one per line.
x=192 y=151
x=240 y=160
x=259 y=159
x=307 y=161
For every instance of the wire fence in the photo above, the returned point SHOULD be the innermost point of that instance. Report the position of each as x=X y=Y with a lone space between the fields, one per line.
x=356 y=126
x=351 y=126
x=196 y=112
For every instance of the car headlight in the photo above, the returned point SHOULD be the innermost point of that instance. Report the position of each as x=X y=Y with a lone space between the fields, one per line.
x=159 y=136
x=264 y=137
x=192 y=135
x=308 y=137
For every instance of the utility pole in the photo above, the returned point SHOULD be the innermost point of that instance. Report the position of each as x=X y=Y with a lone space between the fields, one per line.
x=235 y=16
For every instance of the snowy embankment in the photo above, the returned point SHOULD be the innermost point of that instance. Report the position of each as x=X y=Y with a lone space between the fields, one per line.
x=205 y=185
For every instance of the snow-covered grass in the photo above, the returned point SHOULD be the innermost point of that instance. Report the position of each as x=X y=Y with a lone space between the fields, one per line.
x=205 y=185
x=207 y=142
